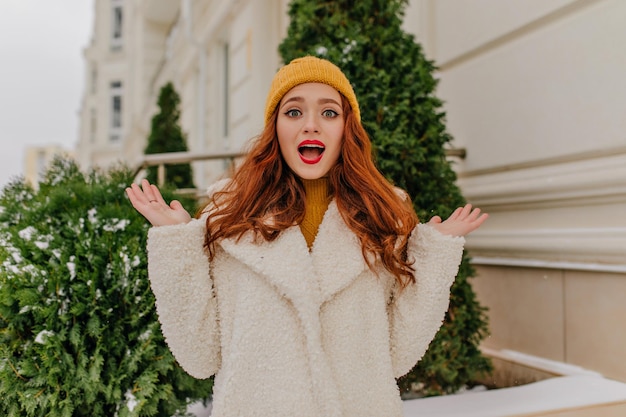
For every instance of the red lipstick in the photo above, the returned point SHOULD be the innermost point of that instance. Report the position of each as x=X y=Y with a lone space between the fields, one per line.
x=311 y=151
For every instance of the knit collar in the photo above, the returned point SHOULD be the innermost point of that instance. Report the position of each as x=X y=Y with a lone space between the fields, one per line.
x=317 y=189
x=315 y=205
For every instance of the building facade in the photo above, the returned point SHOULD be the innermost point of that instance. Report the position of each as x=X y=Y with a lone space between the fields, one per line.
x=37 y=160
x=533 y=91
x=220 y=56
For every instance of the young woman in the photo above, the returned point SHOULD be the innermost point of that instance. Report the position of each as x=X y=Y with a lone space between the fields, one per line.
x=307 y=285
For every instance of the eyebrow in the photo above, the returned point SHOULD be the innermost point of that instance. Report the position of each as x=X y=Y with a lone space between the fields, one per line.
x=320 y=101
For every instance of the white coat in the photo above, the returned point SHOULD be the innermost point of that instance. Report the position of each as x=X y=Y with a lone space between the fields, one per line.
x=291 y=332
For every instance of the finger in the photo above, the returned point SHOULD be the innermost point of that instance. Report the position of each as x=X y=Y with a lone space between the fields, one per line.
x=157 y=194
x=148 y=191
x=435 y=220
x=455 y=214
x=480 y=220
x=477 y=223
x=465 y=211
x=176 y=205
x=473 y=215
x=137 y=195
x=131 y=195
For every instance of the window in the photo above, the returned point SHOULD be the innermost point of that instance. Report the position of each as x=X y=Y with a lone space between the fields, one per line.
x=94 y=79
x=116 y=111
x=93 y=125
x=226 y=164
x=116 y=24
x=226 y=91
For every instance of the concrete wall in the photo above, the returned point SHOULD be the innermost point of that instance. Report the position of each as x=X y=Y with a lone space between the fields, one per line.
x=574 y=317
x=533 y=91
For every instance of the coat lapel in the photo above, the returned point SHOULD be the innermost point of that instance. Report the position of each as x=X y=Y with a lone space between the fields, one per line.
x=284 y=262
x=337 y=257
x=304 y=277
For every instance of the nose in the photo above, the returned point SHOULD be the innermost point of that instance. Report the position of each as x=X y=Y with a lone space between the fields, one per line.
x=311 y=124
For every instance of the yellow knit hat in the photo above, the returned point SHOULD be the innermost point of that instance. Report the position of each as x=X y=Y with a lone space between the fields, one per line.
x=309 y=69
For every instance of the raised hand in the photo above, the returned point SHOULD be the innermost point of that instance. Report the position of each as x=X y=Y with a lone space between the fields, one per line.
x=148 y=201
x=463 y=221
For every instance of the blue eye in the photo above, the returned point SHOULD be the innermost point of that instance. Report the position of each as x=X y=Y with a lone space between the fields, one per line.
x=293 y=113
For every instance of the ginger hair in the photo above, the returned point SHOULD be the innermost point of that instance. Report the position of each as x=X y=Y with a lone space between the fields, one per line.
x=265 y=197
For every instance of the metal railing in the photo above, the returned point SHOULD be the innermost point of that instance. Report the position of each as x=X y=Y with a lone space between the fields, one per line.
x=173 y=158
x=160 y=160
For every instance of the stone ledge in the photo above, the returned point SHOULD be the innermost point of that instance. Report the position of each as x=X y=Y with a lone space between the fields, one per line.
x=568 y=396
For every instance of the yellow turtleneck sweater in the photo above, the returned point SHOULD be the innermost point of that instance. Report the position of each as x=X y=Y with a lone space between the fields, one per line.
x=316 y=204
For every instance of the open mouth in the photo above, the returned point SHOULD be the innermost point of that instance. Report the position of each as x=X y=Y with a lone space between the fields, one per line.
x=311 y=151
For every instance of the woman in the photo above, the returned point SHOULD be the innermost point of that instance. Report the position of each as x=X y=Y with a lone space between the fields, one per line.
x=306 y=286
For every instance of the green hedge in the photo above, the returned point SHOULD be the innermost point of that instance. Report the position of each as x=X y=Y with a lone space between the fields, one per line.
x=79 y=334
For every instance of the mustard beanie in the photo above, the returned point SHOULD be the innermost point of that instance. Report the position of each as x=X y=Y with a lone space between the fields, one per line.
x=309 y=69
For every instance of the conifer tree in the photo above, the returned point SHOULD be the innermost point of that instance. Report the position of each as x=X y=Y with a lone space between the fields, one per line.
x=79 y=334
x=395 y=87
x=166 y=135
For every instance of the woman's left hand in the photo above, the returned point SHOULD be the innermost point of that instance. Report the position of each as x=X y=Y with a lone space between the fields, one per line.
x=463 y=221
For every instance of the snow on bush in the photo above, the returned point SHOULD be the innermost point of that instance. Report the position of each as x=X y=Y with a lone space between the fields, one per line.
x=79 y=334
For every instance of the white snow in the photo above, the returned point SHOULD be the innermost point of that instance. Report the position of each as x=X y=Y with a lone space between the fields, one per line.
x=16 y=255
x=127 y=266
x=545 y=396
x=41 y=245
x=321 y=50
x=349 y=45
x=7 y=265
x=198 y=410
x=71 y=266
x=548 y=396
x=145 y=335
x=43 y=335
x=25 y=309
x=91 y=215
x=120 y=225
x=131 y=400
x=27 y=233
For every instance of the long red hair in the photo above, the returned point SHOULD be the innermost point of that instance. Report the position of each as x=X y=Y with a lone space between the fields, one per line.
x=266 y=197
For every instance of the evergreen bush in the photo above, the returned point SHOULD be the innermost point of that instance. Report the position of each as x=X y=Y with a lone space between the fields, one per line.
x=166 y=135
x=396 y=90
x=79 y=334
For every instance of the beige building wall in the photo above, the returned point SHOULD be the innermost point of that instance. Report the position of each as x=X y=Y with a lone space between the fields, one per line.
x=37 y=159
x=220 y=55
x=533 y=90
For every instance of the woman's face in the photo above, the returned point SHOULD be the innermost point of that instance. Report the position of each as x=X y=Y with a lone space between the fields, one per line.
x=310 y=129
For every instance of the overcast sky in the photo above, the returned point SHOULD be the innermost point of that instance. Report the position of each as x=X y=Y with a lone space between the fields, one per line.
x=41 y=75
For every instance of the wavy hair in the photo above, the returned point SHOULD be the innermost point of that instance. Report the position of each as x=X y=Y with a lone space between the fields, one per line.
x=266 y=197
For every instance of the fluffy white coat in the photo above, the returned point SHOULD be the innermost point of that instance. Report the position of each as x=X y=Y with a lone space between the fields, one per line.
x=292 y=332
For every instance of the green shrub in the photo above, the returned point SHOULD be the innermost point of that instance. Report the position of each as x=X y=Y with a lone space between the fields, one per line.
x=166 y=135
x=396 y=90
x=79 y=334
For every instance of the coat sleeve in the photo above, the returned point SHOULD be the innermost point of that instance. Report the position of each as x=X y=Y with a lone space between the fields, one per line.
x=417 y=312
x=178 y=268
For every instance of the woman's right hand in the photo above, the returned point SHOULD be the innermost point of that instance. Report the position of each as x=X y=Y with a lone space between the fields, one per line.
x=148 y=201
